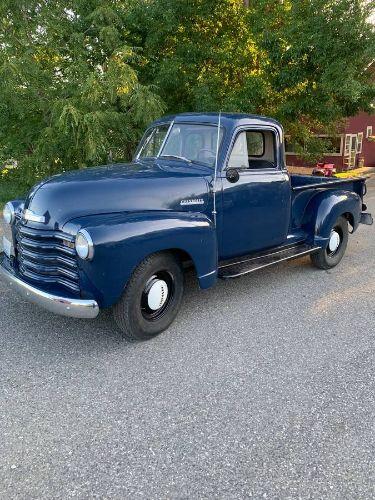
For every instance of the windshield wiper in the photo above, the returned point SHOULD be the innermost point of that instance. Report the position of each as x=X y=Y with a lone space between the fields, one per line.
x=177 y=157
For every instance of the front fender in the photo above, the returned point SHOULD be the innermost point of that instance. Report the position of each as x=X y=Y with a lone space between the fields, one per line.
x=122 y=241
x=325 y=208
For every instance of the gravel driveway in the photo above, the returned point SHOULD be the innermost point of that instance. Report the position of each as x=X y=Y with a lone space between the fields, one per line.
x=263 y=387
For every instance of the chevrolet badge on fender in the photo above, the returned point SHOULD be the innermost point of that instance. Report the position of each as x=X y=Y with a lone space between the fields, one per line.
x=192 y=201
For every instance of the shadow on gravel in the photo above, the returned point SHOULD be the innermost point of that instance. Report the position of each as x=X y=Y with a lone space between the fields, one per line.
x=39 y=326
x=256 y=293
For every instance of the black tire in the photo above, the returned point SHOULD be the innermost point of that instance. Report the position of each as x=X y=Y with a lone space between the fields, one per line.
x=326 y=258
x=133 y=314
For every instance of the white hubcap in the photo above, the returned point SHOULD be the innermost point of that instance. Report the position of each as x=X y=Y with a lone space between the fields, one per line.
x=157 y=295
x=334 y=241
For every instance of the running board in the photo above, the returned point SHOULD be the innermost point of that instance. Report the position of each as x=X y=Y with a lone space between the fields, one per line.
x=251 y=264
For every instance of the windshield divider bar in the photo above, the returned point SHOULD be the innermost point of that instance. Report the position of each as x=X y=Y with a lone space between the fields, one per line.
x=165 y=139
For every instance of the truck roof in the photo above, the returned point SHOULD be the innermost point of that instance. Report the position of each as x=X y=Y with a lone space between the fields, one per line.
x=230 y=120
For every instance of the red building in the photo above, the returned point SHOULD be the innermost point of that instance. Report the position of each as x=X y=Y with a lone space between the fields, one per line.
x=354 y=147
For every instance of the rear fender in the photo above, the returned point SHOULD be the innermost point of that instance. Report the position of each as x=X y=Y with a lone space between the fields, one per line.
x=325 y=208
x=122 y=241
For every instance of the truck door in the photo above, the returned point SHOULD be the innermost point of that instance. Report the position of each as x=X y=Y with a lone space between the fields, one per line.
x=256 y=201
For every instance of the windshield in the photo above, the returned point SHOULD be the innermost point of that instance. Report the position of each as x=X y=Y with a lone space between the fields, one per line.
x=187 y=142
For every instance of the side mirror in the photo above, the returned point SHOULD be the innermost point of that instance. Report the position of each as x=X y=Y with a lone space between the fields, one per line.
x=232 y=175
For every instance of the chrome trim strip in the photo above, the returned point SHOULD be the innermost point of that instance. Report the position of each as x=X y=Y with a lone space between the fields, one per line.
x=208 y=274
x=284 y=249
x=268 y=264
x=74 y=308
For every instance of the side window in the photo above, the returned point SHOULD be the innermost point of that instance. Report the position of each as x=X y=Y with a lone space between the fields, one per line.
x=253 y=149
x=255 y=143
x=359 y=142
x=239 y=157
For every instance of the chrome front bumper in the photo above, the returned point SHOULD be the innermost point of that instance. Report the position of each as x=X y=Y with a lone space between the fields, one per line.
x=75 y=308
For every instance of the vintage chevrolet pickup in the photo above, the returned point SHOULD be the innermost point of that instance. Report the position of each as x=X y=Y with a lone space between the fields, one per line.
x=207 y=190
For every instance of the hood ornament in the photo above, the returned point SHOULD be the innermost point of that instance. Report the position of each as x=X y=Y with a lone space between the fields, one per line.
x=29 y=215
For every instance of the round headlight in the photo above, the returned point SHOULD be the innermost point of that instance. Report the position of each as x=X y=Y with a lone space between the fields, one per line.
x=84 y=245
x=9 y=213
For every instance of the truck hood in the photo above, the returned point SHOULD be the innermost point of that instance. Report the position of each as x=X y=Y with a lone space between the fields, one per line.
x=131 y=187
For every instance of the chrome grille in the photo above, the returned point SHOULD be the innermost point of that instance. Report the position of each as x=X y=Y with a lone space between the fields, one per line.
x=47 y=257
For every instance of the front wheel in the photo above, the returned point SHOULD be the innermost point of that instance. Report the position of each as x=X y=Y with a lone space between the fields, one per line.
x=151 y=299
x=332 y=254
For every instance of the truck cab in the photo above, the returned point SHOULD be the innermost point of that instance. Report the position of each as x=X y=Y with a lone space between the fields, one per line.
x=207 y=190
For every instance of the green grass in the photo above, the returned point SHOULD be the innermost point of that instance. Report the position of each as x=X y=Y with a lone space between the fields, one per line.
x=9 y=191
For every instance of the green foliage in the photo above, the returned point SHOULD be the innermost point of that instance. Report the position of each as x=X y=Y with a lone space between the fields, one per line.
x=70 y=96
x=10 y=189
x=80 y=79
x=301 y=61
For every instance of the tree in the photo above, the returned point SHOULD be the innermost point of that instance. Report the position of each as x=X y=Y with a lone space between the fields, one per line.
x=70 y=96
x=80 y=79
x=301 y=61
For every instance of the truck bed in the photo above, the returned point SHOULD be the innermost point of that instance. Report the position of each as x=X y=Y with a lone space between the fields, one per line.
x=305 y=187
x=306 y=182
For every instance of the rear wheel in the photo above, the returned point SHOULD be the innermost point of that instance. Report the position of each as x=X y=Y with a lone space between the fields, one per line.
x=151 y=299
x=332 y=254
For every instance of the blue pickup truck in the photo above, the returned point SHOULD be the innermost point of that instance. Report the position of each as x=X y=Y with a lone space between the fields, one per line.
x=209 y=191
